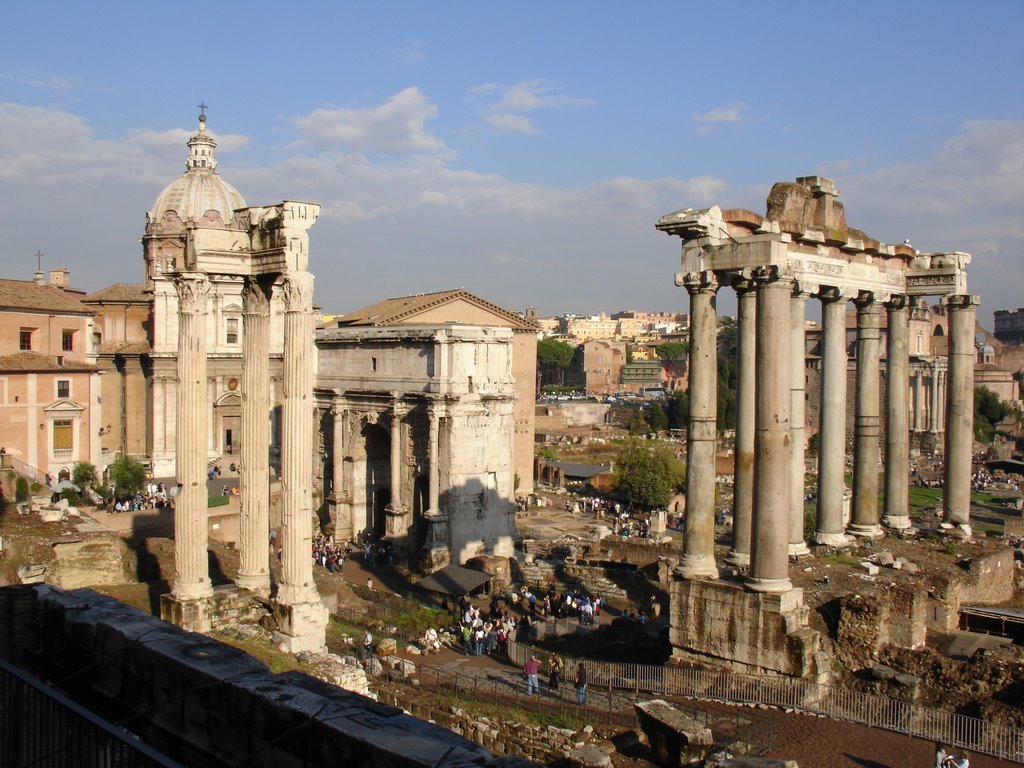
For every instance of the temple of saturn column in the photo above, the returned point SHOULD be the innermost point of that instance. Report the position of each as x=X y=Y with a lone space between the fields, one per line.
x=803 y=249
x=269 y=250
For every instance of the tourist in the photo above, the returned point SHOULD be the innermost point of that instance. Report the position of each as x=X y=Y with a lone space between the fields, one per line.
x=369 y=582
x=367 y=645
x=532 y=668
x=554 y=675
x=581 y=684
x=431 y=643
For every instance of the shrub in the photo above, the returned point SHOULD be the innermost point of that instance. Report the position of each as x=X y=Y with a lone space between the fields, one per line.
x=216 y=501
x=21 y=489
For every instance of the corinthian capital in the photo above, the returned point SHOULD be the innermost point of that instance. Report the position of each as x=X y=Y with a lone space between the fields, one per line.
x=298 y=292
x=256 y=297
x=193 y=290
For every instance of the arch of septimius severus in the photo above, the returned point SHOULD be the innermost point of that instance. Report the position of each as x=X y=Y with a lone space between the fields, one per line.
x=267 y=248
x=801 y=250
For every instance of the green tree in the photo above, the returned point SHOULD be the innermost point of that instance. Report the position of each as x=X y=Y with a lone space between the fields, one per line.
x=84 y=475
x=647 y=472
x=678 y=409
x=671 y=351
x=127 y=475
x=657 y=418
x=989 y=410
x=553 y=360
x=728 y=352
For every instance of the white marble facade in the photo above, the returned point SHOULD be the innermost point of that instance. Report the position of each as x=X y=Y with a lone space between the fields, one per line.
x=417 y=425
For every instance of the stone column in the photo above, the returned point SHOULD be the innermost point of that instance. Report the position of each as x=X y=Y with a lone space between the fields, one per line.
x=297 y=450
x=797 y=432
x=433 y=451
x=832 y=429
x=396 y=507
x=942 y=398
x=698 y=560
x=437 y=548
x=743 y=486
x=341 y=508
x=897 y=435
x=959 y=413
x=867 y=422
x=254 y=462
x=769 y=557
x=918 y=399
x=933 y=398
x=192 y=576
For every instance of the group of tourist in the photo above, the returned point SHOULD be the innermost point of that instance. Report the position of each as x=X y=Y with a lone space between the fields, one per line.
x=154 y=496
x=329 y=555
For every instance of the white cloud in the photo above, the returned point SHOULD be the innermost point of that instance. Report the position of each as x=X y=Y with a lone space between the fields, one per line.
x=967 y=196
x=729 y=113
x=511 y=123
x=504 y=106
x=396 y=127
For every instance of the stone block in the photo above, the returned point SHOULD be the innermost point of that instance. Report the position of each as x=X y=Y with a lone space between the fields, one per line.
x=870 y=568
x=675 y=738
x=387 y=646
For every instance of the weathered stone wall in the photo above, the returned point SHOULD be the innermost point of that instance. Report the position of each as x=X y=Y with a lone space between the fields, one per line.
x=611 y=583
x=896 y=617
x=747 y=631
x=204 y=703
x=643 y=552
x=988 y=579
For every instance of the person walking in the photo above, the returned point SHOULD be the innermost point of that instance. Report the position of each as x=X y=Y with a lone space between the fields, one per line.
x=581 y=684
x=532 y=669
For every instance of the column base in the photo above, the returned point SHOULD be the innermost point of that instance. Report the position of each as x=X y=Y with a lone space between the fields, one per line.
x=800 y=549
x=301 y=627
x=832 y=539
x=738 y=559
x=435 y=558
x=258 y=584
x=753 y=584
x=192 y=615
x=897 y=522
x=961 y=530
x=872 y=531
x=697 y=567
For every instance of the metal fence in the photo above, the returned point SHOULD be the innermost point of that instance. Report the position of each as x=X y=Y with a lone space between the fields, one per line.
x=812 y=698
x=41 y=728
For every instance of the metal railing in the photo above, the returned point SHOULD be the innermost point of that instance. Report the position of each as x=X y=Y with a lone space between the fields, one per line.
x=41 y=728
x=812 y=698
x=23 y=469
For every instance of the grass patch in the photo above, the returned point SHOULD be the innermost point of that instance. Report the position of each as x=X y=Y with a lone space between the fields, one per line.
x=922 y=498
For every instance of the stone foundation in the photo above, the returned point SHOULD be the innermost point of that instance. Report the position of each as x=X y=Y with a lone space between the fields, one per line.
x=753 y=632
x=226 y=606
x=301 y=627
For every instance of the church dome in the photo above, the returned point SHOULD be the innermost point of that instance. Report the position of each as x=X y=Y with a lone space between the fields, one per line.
x=199 y=193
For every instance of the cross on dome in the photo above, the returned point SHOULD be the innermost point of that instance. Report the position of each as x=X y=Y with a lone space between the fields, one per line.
x=201 y=146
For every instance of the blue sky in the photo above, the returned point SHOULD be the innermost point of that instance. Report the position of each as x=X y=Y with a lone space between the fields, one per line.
x=522 y=151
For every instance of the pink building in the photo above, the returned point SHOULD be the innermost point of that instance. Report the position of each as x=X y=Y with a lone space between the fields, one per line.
x=50 y=410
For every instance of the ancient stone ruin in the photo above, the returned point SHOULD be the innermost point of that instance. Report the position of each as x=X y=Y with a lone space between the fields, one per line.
x=802 y=248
